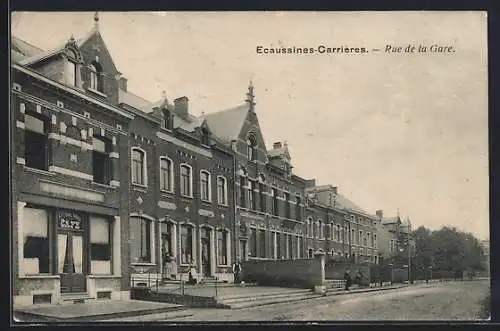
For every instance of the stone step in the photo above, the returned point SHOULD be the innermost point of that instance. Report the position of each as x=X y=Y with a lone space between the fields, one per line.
x=273 y=300
x=79 y=297
x=263 y=296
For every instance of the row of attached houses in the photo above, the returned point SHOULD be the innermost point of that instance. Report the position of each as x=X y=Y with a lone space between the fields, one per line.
x=106 y=185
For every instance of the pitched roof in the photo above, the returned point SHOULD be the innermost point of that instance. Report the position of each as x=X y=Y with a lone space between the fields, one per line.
x=344 y=203
x=227 y=124
x=390 y=220
x=135 y=101
x=23 y=47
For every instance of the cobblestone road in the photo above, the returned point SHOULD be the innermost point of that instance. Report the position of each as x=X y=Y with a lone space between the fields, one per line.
x=450 y=301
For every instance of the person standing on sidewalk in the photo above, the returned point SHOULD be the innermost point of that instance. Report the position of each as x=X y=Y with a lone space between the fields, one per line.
x=237 y=271
x=348 y=280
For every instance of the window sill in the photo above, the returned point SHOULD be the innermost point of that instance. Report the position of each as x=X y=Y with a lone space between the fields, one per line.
x=104 y=185
x=139 y=187
x=206 y=201
x=166 y=129
x=103 y=276
x=223 y=265
x=169 y=192
x=39 y=171
x=97 y=92
x=223 y=205
x=187 y=196
x=42 y=276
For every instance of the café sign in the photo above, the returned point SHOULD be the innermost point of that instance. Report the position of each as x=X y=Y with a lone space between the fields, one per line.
x=69 y=220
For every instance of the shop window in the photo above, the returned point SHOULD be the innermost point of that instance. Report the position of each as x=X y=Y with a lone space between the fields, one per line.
x=36 y=142
x=138 y=166
x=101 y=162
x=140 y=238
x=222 y=247
x=187 y=244
x=100 y=246
x=36 y=242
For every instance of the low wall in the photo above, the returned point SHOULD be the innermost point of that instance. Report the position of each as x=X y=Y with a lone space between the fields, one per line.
x=193 y=301
x=300 y=273
x=337 y=270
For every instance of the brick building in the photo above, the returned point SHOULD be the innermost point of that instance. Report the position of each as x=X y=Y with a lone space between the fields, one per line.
x=391 y=230
x=69 y=143
x=269 y=197
x=181 y=198
x=338 y=226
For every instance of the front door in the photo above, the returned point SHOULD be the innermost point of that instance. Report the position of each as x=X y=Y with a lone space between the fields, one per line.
x=205 y=252
x=71 y=253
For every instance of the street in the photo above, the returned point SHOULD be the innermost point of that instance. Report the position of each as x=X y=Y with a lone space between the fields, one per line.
x=448 y=301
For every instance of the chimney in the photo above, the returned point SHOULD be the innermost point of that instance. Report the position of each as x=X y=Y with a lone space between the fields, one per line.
x=277 y=145
x=380 y=213
x=122 y=83
x=181 y=107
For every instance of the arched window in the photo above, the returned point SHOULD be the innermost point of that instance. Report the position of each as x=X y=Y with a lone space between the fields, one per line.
x=251 y=146
x=36 y=147
x=101 y=162
x=186 y=180
x=205 y=193
x=166 y=174
x=138 y=166
x=140 y=239
x=96 y=77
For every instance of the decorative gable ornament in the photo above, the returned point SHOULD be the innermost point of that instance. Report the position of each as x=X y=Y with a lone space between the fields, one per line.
x=71 y=50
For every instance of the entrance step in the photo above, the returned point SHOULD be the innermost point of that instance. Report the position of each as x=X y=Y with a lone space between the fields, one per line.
x=261 y=299
x=79 y=297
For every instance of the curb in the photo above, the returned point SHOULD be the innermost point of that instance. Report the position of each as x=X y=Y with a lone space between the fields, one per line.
x=343 y=292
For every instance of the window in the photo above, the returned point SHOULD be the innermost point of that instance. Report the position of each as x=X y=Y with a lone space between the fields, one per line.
x=71 y=75
x=332 y=234
x=242 y=192
x=338 y=233
x=138 y=166
x=279 y=245
x=352 y=236
x=311 y=230
x=222 y=247
x=375 y=241
x=262 y=197
x=36 y=241
x=251 y=195
x=289 y=247
x=221 y=190
x=298 y=209
x=253 y=243
x=140 y=239
x=274 y=193
x=287 y=205
x=251 y=150
x=262 y=243
x=166 y=174
x=101 y=162
x=167 y=122
x=186 y=180
x=100 y=248
x=359 y=241
x=36 y=142
x=96 y=77
x=205 y=186
x=205 y=137
x=320 y=229
x=186 y=244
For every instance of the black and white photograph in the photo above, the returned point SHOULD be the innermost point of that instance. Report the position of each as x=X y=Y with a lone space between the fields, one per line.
x=230 y=167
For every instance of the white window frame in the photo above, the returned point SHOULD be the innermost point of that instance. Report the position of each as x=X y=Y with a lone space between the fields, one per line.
x=171 y=175
x=228 y=250
x=94 y=84
x=194 y=239
x=223 y=203
x=209 y=188
x=190 y=180
x=144 y=167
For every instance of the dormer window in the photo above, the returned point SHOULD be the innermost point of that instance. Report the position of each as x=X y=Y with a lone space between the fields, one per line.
x=73 y=58
x=96 y=82
x=205 y=137
x=167 y=119
x=71 y=73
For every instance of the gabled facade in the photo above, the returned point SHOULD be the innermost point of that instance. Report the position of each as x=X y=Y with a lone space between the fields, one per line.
x=269 y=198
x=69 y=173
x=392 y=230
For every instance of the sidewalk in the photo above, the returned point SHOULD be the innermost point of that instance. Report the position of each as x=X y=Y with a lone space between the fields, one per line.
x=91 y=311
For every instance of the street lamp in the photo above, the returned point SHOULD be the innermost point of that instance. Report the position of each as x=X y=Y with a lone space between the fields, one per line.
x=409 y=259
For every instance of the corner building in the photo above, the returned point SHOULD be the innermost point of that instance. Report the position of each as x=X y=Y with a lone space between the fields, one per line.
x=69 y=173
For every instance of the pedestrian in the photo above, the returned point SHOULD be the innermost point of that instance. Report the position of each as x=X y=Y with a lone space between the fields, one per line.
x=359 y=276
x=237 y=271
x=192 y=275
x=348 y=280
x=173 y=267
x=167 y=266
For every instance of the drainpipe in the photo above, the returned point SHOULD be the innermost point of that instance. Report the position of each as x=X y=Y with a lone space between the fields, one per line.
x=235 y=249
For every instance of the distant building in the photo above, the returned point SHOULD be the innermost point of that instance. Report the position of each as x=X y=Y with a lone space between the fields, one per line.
x=393 y=234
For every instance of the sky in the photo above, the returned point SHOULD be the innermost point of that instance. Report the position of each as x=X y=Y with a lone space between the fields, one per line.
x=401 y=132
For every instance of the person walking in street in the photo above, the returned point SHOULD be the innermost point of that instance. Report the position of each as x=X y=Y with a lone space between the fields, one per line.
x=348 y=280
x=237 y=271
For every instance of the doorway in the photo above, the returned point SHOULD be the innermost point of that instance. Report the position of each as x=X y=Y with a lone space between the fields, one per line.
x=205 y=252
x=71 y=262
